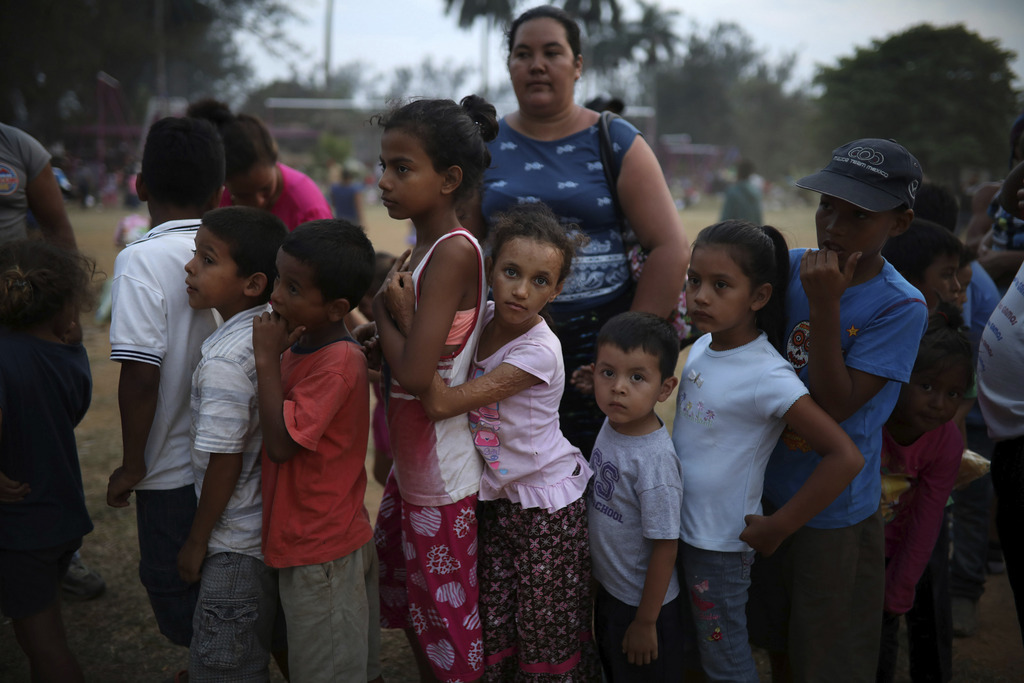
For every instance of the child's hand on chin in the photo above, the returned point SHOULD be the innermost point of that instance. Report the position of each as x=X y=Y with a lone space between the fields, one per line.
x=270 y=336
x=820 y=273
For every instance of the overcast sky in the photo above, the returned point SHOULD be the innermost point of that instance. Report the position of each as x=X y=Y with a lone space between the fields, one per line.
x=391 y=33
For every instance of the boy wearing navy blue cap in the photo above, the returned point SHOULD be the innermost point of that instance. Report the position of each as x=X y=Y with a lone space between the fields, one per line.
x=814 y=604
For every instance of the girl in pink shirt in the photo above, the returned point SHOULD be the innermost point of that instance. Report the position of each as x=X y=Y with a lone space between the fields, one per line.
x=921 y=450
x=253 y=175
x=534 y=571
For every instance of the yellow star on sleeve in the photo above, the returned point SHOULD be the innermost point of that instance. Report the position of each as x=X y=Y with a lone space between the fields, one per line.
x=852 y=331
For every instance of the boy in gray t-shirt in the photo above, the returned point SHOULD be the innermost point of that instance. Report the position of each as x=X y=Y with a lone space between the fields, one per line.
x=634 y=504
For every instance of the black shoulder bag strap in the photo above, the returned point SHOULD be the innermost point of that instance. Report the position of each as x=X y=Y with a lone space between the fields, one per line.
x=608 y=158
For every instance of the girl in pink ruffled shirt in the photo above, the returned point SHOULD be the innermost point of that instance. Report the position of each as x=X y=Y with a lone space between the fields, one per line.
x=534 y=571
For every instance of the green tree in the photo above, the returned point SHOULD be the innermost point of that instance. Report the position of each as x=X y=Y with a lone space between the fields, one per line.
x=944 y=92
x=695 y=95
x=158 y=47
x=496 y=11
x=648 y=40
x=723 y=91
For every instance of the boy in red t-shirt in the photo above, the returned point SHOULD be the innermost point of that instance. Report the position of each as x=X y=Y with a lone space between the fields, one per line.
x=314 y=406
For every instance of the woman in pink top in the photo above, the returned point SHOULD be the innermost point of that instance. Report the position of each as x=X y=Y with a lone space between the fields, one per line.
x=253 y=175
x=534 y=570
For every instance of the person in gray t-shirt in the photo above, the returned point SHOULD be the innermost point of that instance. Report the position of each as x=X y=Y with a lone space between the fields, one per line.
x=635 y=502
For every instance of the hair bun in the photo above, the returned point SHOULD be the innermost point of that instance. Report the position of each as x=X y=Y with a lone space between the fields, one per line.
x=484 y=115
x=212 y=110
x=946 y=315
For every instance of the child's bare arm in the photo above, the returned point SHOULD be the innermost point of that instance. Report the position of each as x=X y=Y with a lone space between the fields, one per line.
x=449 y=283
x=219 y=483
x=838 y=389
x=841 y=461
x=441 y=401
x=137 y=392
x=270 y=338
x=640 y=645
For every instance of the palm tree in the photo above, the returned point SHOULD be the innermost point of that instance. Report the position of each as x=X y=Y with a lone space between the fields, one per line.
x=471 y=10
x=655 y=36
x=595 y=14
x=492 y=12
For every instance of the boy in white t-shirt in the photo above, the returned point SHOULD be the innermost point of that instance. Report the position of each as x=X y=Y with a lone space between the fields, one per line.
x=232 y=272
x=635 y=503
x=156 y=338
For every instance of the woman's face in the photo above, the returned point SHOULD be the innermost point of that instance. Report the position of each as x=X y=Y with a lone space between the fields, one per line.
x=543 y=68
x=258 y=187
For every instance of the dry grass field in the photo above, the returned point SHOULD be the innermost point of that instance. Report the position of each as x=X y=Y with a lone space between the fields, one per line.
x=115 y=636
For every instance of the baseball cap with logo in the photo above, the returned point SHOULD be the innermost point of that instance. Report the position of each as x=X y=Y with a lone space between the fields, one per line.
x=874 y=174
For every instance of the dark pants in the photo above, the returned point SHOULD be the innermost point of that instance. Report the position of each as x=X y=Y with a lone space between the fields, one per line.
x=1008 y=481
x=164 y=521
x=929 y=623
x=611 y=619
x=971 y=509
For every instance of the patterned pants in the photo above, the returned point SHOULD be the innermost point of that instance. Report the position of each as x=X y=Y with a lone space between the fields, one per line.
x=428 y=580
x=535 y=593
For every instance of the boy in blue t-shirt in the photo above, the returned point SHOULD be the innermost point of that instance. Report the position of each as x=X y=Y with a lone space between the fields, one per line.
x=815 y=603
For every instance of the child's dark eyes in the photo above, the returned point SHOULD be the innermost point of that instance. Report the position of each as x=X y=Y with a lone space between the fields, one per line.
x=606 y=373
x=510 y=272
x=721 y=284
x=636 y=377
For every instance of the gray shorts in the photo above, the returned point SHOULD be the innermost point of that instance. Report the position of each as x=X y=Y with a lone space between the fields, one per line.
x=234 y=620
x=333 y=614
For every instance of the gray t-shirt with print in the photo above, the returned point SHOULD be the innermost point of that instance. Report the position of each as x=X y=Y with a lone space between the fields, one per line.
x=636 y=498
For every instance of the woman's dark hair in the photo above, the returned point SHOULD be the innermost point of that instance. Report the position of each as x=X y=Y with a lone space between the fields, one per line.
x=945 y=342
x=247 y=141
x=761 y=253
x=38 y=280
x=451 y=135
x=536 y=222
x=572 y=29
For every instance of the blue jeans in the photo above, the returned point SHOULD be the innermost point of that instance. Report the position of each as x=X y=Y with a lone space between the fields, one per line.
x=164 y=520
x=717 y=584
x=971 y=508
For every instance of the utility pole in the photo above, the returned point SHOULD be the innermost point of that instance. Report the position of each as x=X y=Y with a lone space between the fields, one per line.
x=327 y=45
